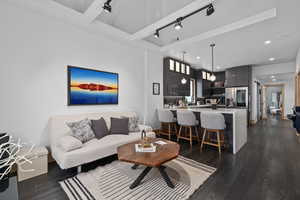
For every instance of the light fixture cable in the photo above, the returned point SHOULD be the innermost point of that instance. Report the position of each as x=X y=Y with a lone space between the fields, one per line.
x=183 y=80
x=212 y=77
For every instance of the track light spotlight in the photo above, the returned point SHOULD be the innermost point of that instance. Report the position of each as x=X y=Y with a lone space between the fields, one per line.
x=107 y=7
x=210 y=10
x=156 y=34
x=178 y=24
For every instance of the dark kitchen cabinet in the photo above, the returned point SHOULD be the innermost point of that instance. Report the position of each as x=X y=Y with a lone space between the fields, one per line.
x=207 y=88
x=174 y=87
x=172 y=81
x=206 y=85
x=238 y=76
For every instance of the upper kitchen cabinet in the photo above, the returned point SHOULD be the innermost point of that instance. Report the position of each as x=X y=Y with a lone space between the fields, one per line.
x=238 y=76
x=207 y=88
x=177 y=76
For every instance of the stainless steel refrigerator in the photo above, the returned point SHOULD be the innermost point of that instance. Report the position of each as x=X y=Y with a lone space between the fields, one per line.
x=237 y=97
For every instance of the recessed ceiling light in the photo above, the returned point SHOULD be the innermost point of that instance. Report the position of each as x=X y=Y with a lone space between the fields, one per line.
x=272 y=76
x=218 y=67
x=198 y=57
x=268 y=42
x=271 y=59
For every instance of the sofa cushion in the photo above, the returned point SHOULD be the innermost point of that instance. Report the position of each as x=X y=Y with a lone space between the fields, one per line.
x=100 y=128
x=81 y=130
x=69 y=143
x=133 y=124
x=119 y=126
x=95 y=149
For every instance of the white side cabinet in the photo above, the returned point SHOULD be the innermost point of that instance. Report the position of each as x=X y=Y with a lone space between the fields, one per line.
x=39 y=166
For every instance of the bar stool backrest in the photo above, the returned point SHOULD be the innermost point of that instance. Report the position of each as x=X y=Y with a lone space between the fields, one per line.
x=186 y=118
x=212 y=121
x=165 y=116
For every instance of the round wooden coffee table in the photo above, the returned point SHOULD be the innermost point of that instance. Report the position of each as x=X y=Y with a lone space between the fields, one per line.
x=163 y=154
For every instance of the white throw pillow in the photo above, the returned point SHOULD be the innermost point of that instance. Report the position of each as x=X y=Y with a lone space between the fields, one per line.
x=69 y=143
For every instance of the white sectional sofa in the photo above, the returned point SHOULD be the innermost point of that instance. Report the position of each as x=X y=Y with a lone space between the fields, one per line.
x=94 y=149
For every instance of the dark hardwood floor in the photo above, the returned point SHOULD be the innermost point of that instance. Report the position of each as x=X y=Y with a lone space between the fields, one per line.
x=268 y=167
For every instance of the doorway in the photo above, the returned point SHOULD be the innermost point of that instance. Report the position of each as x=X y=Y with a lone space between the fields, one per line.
x=258 y=101
x=272 y=101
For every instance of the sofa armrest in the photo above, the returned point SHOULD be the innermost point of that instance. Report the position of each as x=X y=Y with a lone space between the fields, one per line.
x=145 y=127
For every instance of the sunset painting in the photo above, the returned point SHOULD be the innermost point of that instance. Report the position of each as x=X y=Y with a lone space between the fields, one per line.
x=92 y=87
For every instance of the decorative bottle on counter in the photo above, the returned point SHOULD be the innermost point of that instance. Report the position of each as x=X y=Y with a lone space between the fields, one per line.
x=145 y=140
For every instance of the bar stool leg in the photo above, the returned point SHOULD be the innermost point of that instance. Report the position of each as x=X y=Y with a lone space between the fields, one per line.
x=197 y=134
x=203 y=138
x=162 y=129
x=175 y=126
x=191 y=136
x=169 y=130
x=178 y=137
x=219 y=143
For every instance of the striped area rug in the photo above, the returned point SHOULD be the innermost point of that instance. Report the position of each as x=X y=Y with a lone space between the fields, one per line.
x=112 y=181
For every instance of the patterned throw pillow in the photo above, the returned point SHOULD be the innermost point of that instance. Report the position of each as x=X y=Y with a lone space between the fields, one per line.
x=133 y=124
x=81 y=130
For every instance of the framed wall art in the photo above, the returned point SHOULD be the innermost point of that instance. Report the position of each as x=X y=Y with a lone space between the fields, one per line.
x=92 y=87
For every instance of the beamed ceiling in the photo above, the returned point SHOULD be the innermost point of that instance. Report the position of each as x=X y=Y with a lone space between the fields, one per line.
x=238 y=27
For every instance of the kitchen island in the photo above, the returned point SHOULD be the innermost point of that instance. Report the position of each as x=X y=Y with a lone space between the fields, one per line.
x=236 y=124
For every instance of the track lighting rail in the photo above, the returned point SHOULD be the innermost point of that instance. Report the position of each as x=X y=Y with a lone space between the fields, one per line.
x=209 y=10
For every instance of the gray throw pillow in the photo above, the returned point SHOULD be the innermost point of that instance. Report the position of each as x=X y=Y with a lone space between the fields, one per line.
x=100 y=128
x=119 y=126
x=81 y=130
x=133 y=124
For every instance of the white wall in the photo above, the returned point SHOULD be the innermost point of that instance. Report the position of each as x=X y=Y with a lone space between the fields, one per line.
x=298 y=62
x=281 y=68
x=34 y=53
x=154 y=63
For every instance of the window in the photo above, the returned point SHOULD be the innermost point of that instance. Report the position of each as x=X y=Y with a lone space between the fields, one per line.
x=177 y=66
x=187 y=69
x=207 y=76
x=203 y=75
x=182 y=68
x=171 y=65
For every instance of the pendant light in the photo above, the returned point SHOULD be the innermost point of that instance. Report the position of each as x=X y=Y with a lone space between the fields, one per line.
x=183 y=80
x=212 y=77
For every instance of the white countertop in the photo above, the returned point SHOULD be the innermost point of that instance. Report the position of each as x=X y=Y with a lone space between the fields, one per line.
x=218 y=110
x=198 y=106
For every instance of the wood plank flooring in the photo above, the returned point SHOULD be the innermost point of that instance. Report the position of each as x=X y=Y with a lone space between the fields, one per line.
x=268 y=167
